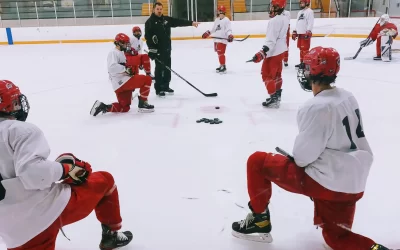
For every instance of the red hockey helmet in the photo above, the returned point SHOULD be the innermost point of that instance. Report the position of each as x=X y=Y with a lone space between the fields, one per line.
x=137 y=32
x=319 y=64
x=221 y=9
x=136 y=29
x=281 y=4
x=122 y=40
x=276 y=7
x=304 y=3
x=12 y=102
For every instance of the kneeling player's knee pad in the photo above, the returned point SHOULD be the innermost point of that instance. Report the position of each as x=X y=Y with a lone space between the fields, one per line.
x=109 y=181
x=256 y=161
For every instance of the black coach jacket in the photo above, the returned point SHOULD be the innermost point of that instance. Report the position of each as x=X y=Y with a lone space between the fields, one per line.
x=160 y=27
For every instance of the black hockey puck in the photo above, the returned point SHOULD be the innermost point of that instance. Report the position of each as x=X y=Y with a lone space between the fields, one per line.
x=217 y=107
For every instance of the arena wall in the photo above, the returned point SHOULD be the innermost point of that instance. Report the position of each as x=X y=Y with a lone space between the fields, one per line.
x=329 y=27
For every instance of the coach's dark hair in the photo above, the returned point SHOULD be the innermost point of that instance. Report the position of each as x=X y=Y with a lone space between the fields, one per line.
x=157 y=4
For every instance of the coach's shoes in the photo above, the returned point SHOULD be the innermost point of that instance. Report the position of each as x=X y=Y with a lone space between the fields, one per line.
x=145 y=107
x=113 y=239
x=169 y=91
x=256 y=227
x=99 y=107
x=160 y=93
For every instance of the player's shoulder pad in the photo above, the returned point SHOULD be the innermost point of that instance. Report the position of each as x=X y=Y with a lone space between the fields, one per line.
x=18 y=128
x=313 y=107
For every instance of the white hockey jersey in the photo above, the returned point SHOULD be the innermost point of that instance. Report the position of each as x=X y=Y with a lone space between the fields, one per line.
x=32 y=200
x=116 y=70
x=222 y=28
x=305 y=21
x=331 y=144
x=137 y=44
x=276 y=35
x=286 y=13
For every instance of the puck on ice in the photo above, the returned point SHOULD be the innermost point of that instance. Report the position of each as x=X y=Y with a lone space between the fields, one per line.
x=217 y=107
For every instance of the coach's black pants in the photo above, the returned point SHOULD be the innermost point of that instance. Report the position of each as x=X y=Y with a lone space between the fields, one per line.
x=162 y=74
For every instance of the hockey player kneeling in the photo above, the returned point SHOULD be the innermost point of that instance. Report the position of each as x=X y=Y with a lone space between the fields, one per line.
x=124 y=77
x=331 y=161
x=384 y=33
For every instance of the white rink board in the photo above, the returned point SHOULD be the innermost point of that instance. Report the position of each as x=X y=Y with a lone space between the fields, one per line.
x=323 y=26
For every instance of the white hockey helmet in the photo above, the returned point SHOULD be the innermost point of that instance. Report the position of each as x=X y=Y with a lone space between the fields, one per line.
x=384 y=19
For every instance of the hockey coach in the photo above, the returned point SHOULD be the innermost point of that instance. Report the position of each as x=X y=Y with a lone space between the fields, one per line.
x=158 y=39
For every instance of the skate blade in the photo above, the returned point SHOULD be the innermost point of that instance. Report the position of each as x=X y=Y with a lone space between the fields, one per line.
x=169 y=93
x=95 y=106
x=257 y=237
x=272 y=107
x=141 y=110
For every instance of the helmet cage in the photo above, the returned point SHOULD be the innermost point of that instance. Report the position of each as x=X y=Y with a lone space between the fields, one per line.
x=21 y=108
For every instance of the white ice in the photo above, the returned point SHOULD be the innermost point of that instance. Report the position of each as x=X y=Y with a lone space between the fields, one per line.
x=160 y=160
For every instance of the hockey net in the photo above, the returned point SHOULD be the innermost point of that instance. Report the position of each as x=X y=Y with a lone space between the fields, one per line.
x=396 y=43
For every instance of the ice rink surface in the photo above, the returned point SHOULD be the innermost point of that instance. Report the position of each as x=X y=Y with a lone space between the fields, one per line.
x=181 y=184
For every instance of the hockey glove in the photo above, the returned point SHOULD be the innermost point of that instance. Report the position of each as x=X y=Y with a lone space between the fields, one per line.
x=75 y=171
x=230 y=38
x=131 y=51
x=294 y=35
x=129 y=71
x=206 y=34
x=260 y=55
x=366 y=42
x=153 y=54
x=308 y=34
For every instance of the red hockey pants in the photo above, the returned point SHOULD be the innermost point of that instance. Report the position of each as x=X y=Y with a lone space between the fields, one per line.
x=271 y=73
x=304 y=45
x=124 y=93
x=220 y=48
x=333 y=211
x=286 y=53
x=99 y=193
x=378 y=47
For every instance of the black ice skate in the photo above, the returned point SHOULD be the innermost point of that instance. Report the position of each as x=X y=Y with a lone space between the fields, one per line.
x=114 y=240
x=221 y=69
x=279 y=94
x=272 y=102
x=169 y=91
x=145 y=107
x=99 y=107
x=380 y=247
x=297 y=66
x=286 y=64
x=256 y=227
x=377 y=58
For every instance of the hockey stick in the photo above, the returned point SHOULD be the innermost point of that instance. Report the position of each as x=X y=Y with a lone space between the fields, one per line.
x=359 y=50
x=237 y=40
x=206 y=95
x=283 y=152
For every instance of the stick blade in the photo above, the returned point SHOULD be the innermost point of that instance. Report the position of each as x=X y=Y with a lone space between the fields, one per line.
x=349 y=58
x=211 y=95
